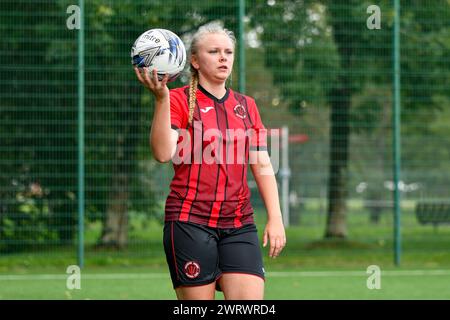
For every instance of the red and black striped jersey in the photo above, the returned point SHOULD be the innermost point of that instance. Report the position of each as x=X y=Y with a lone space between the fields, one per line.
x=213 y=193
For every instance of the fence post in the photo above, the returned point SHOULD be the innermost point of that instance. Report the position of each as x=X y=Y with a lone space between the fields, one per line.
x=396 y=132
x=241 y=14
x=285 y=174
x=81 y=137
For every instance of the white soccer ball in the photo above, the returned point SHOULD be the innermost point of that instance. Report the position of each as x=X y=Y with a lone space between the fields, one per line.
x=161 y=49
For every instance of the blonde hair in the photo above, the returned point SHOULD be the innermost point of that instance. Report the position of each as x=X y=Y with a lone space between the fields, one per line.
x=193 y=83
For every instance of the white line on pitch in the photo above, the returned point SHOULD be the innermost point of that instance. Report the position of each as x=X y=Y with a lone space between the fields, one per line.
x=277 y=274
x=358 y=273
x=105 y=276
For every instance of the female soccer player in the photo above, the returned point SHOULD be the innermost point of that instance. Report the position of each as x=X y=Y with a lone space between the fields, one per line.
x=210 y=238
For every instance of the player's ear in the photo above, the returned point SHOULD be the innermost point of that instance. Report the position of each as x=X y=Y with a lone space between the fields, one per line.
x=194 y=62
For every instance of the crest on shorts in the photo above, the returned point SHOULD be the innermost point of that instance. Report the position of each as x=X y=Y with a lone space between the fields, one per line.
x=192 y=269
x=240 y=111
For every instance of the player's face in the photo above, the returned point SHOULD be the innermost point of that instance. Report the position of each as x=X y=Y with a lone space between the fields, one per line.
x=215 y=56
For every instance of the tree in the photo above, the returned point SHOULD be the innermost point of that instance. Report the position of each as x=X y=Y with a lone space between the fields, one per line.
x=323 y=51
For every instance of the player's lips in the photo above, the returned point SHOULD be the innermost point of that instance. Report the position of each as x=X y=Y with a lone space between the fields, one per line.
x=223 y=68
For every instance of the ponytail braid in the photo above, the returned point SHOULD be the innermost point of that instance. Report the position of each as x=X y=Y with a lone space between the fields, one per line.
x=192 y=94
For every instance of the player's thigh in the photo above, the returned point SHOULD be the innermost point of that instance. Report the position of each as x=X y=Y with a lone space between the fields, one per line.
x=239 y=286
x=203 y=292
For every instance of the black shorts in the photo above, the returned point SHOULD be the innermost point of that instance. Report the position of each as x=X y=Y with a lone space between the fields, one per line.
x=198 y=255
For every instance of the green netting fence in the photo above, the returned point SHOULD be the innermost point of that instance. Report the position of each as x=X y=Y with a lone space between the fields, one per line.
x=323 y=69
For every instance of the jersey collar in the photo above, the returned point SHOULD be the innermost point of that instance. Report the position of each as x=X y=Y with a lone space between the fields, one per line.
x=211 y=96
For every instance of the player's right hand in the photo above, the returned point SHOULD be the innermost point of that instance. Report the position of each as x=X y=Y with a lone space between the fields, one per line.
x=159 y=88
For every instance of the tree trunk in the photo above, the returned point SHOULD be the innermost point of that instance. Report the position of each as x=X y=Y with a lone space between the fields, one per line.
x=339 y=97
x=378 y=197
x=115 y=228
x=337 y=183
x=115 y=224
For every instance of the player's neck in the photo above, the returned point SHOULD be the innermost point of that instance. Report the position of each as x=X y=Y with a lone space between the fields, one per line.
x=218 y=90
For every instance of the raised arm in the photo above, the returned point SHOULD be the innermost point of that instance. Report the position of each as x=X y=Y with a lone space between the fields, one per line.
x=163 y=139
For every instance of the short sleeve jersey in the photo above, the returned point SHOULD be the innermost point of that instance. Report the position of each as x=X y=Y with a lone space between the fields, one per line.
x=209 y=186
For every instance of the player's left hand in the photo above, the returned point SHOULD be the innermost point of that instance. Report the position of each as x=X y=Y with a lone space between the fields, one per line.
x=275 y=234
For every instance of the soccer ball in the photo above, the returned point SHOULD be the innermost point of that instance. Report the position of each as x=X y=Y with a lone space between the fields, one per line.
x=161 y=49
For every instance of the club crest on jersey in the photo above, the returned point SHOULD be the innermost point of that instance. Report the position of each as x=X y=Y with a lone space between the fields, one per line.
x=192 y=269
x=240 y=111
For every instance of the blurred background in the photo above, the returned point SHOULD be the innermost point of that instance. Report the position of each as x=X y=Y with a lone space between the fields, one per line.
x=322 y=69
